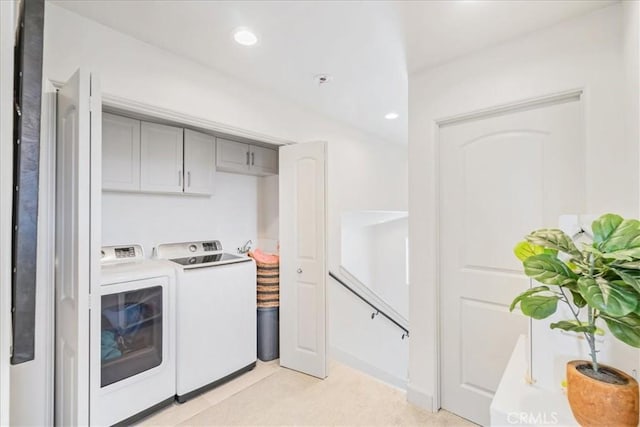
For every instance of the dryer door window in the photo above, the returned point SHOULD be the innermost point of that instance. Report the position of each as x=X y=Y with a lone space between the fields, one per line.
x=131 y=334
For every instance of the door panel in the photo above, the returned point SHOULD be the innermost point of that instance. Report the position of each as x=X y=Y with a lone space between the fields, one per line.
x=501 y=177
x=161 y=153
x=199 y=162
x=77 y=193
x=303 y=258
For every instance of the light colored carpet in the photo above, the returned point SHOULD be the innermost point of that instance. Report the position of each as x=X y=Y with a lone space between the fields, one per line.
x=346 y=398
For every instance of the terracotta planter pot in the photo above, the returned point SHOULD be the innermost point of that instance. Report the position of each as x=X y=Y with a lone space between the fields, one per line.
x=599 y=403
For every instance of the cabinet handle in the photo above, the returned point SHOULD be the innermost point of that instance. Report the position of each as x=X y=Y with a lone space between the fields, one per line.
x=189 y=179
x=247 y=158
x=180 y=178
x=253 y=158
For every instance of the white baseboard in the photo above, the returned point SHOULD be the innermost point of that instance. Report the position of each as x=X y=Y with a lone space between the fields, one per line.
x=359 y=364
x=420 y=398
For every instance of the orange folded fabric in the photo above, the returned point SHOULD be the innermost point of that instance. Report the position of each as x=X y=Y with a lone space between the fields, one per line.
x=264 y=257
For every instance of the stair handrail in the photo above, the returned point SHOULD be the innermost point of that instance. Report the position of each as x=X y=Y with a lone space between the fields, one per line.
x=378 y=310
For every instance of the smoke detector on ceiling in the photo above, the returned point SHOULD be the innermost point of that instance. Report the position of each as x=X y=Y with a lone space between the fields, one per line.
x=322 y=79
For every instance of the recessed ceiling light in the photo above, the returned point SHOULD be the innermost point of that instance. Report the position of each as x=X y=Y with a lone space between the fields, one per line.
x=245 y=37
x=391 y=116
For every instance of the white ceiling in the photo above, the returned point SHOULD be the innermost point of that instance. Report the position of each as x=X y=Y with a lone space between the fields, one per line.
x=367 y=46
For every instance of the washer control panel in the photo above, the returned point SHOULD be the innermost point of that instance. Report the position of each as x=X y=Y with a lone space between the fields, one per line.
x=116 y=254
x=179 y=250
x=212 y=246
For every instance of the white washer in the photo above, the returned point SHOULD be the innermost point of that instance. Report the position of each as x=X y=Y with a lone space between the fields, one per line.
x=216 y=315
x=134 y=351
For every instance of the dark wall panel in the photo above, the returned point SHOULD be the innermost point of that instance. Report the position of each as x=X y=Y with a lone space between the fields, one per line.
x=28 y=93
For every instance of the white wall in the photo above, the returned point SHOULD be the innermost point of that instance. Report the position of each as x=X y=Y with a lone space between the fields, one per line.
x=374 y=252
x=268 y=233
x=373 y=247
x=389 y=264
x=582 y=53
x=357 y=251
x=363 y=172
x=374 y=345
x=632 y=66
x=230 y=215
x=361 y=179
x=631 y=57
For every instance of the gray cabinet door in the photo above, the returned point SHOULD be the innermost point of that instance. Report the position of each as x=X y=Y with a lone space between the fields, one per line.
x=263 y=161
x=199 y=162
x=232 y=156
x=161 y=153
x=120 y=153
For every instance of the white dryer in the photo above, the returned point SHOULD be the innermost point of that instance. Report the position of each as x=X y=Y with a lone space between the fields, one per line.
x=216 y=315
x=134 y=350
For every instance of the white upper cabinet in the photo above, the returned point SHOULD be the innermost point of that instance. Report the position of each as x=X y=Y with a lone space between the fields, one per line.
x=263 y=161
x=120 y=153
x=243 y=158
x=199 y=162
x=161 y=153
x=149 y=157
x=232 y=156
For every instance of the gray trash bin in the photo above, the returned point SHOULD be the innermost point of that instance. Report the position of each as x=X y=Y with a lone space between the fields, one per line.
x=268 y=333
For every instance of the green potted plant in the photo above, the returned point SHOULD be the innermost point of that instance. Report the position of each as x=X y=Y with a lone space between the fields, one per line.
x=600 y=284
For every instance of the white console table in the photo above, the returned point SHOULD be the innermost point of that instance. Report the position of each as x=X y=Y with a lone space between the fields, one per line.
x=517 y=403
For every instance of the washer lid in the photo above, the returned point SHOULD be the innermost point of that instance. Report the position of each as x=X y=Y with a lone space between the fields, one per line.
x=209 y=260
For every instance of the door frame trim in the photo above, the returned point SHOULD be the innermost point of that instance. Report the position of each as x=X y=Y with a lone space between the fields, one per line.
x=493 y=111
x=513 y=107
x=117 y=104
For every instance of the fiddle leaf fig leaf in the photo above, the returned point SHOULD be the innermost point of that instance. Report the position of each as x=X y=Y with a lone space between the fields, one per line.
x=578 y=300
x=604 y=227
x=574 y=326
x=591 y=249
x=524 y=250
x=630 y=277
x=623 y=254
x=549 y=270
x=538 y=306
x=554 y=239
x=623 y=241
x=626 y=328
x=632 y=265
x=527 y=293
x=608 y=297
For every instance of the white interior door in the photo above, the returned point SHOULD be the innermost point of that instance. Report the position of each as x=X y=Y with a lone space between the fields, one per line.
x=501 y=177
x=303 y=258
x=77 y=242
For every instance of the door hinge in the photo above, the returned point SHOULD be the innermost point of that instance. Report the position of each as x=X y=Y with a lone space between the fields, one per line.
x=92 y=104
